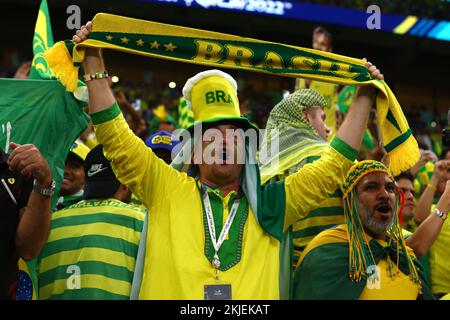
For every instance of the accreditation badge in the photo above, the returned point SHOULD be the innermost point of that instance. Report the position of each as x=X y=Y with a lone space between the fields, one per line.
x=217 y=291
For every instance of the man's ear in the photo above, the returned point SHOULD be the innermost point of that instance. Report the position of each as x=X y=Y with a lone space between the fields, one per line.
x=307 y=116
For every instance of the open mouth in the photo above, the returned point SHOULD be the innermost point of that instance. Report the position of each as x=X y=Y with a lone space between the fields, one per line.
x=384 y=210
x=226 y=157
x=410 y=203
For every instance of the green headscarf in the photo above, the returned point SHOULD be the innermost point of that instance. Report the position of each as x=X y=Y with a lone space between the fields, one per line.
x=291 y=131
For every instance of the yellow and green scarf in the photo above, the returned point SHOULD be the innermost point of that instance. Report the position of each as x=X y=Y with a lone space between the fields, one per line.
x=228 y=51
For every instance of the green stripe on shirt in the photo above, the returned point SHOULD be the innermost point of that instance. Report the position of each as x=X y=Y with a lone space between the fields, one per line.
x=96 y=242
x=325 y=212
x=90 y=241
x=307 y=232
x=88 y=294
x=105 y=217
x=86 y=267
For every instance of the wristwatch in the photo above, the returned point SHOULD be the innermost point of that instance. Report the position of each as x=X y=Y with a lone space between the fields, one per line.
x=440 y=214
x=47 y=192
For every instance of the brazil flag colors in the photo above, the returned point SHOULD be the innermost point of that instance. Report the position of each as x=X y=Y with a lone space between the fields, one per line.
x=42 y=40
x=43 y=113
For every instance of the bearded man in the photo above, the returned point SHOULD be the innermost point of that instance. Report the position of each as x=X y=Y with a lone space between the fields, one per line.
x=367 y=257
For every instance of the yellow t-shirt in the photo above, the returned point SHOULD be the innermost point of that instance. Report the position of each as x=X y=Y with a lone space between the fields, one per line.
x=440 y=260
x=399 y=287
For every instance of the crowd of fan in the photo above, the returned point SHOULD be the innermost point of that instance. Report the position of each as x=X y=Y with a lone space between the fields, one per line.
x=123 y=213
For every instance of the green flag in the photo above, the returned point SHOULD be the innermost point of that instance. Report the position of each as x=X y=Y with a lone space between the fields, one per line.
x=43 y=113
x=42 y=40
x=345 y=98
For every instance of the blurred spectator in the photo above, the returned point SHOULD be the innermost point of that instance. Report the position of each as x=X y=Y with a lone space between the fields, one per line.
x=425 y=235
x=25 y=218
x=88 y=136
x=433 y=190
x=163 y=144
x=93 y=245
x=437 y=186
x=405 y=182
x=73 y=182
x=133 y=117
x=245 y=106
x=162 y=120
x=23 y=72
x=322 y=40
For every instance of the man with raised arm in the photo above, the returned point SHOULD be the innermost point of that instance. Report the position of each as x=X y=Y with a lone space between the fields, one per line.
x=215 y=233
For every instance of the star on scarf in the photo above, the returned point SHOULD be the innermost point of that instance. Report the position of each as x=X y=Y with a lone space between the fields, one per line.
x=140 y=42
x=170 y=47
x=155 y=45
x=124 y=40
x=109 y=38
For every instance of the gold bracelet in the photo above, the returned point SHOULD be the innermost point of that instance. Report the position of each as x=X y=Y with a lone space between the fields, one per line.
x=432 y=187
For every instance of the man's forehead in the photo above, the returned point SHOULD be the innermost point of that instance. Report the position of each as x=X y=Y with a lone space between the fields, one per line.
x=72 y=159
x=405 y=183
x=225 y=127
x=321 y=37
x=376 y=177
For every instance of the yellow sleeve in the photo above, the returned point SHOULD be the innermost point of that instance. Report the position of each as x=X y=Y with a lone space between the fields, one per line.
x=132 y=161
x=312 y=184
x=406 y=234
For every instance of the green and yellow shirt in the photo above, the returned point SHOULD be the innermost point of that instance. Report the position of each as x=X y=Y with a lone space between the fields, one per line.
x=439 y=260
x=97 y=241
x=329 y=214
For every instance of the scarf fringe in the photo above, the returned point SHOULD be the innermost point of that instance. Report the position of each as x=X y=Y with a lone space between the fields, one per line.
x=404 y=156
x=60 y=62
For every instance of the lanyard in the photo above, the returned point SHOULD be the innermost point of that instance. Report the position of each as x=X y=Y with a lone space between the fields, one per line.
x=212 y=230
